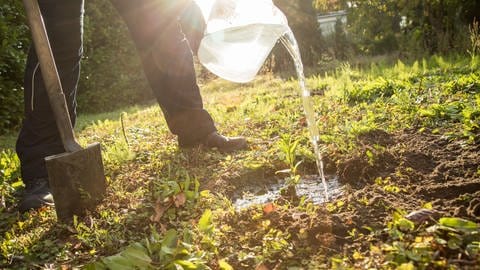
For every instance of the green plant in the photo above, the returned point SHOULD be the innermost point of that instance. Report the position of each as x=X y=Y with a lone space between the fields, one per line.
x=181 y=184
x=9 y=172
x=288 y=152
x=207 y=229
x=13 y=51
x=274 y=242
x=420 y=247
x=91 y=235
x=117 y=153
x=167 y=251
x=387 y=185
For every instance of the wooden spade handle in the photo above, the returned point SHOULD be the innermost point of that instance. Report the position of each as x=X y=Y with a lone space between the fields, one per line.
x=50 y=75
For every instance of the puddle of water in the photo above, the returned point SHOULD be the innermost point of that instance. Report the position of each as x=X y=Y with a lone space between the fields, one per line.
x=309 y=186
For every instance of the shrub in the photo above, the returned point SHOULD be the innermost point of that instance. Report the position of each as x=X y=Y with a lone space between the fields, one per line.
x=112 y=75
x=13 y=49
x=379 y=88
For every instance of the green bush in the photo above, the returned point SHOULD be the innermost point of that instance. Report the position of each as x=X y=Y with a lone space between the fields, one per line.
x=368 y=92
x=302 y=19
x=112 y=76
x=13 y=49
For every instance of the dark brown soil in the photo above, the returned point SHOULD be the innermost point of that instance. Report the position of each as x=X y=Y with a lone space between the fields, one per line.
x=426 y=168
x=404 y=171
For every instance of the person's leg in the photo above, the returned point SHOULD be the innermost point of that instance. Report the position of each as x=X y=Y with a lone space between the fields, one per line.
x=39 y=135
x=168 y=64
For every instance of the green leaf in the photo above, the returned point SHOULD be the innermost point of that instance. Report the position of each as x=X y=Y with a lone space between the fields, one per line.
x=405 y=224
x=134 y=256
x=428 y=205
x=185 y=264
x=396 y=216
x=205 y=222
x=95 y=266
x=453 y=243
x=118 y=262
x=458 y=223
x=473 y=249
x=224 y=265
x=170 y=239
x=186 y=185
x=414 y=254
x=137 y=254
x=406 y=266
x=168 y=250
x=17 y=184
x=441 y=241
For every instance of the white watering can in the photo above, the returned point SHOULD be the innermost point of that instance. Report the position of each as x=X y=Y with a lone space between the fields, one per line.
x=239 y=36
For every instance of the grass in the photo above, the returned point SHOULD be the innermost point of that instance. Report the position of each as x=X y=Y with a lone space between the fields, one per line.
x=168 y=208
x=7 y=141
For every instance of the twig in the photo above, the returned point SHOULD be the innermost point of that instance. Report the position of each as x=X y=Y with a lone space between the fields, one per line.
x=123 y=129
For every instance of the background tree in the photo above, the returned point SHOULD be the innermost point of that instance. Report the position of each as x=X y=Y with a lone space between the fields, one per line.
x=413 y=27
x=341 y=43
x=302 y=19
x=437 y=26
x=373 y=25
x=324 y=6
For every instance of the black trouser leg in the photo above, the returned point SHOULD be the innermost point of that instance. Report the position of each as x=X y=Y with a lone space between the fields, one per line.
x=168 y=65
x=39 y=136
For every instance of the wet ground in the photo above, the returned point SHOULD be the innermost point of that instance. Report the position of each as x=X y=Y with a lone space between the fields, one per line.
x=310 y=187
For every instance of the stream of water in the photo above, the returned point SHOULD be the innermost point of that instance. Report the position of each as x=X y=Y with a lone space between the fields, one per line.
x=290 y=43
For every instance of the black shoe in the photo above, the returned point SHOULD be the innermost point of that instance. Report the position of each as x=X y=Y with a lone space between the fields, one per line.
x=36 y=195
x=225 y=144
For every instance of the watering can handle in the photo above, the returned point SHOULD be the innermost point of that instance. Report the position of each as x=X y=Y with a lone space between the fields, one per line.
x=50 y=75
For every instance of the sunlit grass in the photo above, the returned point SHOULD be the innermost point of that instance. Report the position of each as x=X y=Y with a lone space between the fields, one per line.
x=154 y=187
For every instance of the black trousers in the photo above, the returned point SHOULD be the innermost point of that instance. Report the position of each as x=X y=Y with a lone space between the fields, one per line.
x=167 y=63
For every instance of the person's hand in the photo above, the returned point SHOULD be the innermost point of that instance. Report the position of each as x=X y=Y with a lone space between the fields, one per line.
x=193 y=25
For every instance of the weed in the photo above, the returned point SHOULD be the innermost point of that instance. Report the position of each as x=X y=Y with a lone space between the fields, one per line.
x=9 y=176
x=414 y=246
x=288 y=152
x=117 y=153
x=167 y=251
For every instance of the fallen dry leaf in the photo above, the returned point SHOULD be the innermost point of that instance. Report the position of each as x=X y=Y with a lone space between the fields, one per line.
x=160 y=208
x=261 y=266
x=78 y=245
x=302 y=121
x=268 y=208
x=179 y=199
